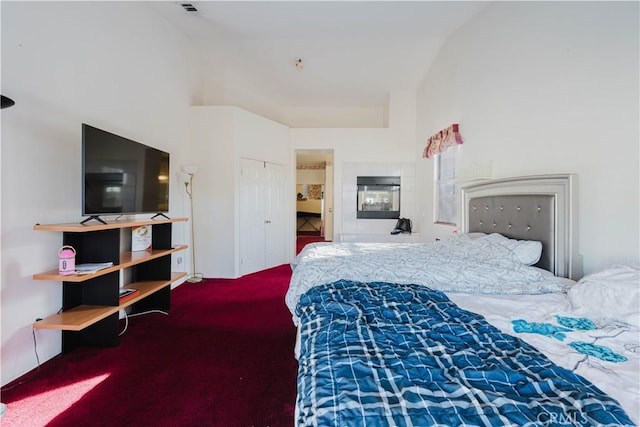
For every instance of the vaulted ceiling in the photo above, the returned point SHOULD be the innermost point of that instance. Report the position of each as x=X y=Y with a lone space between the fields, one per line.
x=353 y=53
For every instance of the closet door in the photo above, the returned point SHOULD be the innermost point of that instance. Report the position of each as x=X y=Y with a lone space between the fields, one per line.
x=252 y=216
x=262 y=214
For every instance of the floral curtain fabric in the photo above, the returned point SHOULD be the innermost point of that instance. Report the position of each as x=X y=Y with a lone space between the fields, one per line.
x=441 y=140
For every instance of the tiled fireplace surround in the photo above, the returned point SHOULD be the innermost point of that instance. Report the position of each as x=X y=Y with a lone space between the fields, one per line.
x=377 y=230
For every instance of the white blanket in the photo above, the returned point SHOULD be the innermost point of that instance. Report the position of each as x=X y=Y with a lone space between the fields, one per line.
x=620 y=380
x=453 y=265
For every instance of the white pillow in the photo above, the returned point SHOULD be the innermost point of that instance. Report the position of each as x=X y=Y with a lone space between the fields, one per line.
x=463 y=236
x=610 y=294
x=527 y=251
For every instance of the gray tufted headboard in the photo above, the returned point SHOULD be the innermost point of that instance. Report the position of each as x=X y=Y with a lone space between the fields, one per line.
x=540 y=207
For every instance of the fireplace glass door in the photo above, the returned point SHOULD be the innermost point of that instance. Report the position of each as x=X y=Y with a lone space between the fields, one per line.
x=378 y=197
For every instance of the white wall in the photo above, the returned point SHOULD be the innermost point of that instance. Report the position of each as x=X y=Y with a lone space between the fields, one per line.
x=546 y=87
x=224 y=84
x=395 y=144
x=211 y=149
x=114 y=65
x=219 y=137
x=310 y=176
x=355 y=117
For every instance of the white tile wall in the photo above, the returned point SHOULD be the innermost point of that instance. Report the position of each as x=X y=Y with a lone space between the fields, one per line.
x=377 y=229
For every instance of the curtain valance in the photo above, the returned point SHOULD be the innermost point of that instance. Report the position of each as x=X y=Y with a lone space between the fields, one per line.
x=441 y=140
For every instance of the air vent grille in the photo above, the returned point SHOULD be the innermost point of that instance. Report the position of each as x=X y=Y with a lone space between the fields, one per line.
x=189 y=7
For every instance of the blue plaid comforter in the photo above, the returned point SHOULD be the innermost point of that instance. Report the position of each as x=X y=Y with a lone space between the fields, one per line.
x=381 y=354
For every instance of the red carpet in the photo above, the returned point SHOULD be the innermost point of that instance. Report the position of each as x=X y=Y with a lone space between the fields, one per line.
x=308 y=233
x=223 y=357
x=302 y=240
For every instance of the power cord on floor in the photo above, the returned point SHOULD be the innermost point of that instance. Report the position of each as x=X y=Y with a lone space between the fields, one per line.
x=126 y=318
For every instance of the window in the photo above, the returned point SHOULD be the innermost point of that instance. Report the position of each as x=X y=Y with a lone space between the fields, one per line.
x=444 y=203
x=443 y=145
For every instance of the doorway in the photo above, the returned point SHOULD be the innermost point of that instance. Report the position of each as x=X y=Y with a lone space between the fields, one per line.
x=314 y=196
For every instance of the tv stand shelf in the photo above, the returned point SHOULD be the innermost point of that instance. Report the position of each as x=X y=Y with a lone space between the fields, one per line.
x=90 y=302
x=127 y=259
x=83 y=228
x=83 y=316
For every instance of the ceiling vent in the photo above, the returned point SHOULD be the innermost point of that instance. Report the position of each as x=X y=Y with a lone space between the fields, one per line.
x=189 y=7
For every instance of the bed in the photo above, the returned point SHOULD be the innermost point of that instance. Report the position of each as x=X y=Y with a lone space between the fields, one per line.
x=485 y=327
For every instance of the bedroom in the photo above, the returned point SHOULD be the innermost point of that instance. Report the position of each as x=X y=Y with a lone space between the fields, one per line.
x=563 y=101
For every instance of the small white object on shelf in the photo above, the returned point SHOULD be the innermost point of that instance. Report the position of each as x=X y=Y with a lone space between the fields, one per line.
x=91 y=268
x=140 y=238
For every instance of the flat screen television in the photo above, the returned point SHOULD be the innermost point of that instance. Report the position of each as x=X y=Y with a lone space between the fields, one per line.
x=121 y=176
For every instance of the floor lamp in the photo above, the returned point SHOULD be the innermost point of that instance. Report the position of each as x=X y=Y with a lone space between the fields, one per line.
x=191 y=170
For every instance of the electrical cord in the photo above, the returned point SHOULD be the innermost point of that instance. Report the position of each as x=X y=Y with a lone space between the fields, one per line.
x=126 y=324
x=148 y=312
x=35 y=350
x=126 y=318
x=35 y=346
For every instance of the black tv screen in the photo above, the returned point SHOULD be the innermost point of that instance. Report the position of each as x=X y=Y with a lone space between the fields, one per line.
x=121 y=176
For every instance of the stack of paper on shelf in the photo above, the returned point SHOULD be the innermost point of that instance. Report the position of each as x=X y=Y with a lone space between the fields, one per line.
x=92 y=268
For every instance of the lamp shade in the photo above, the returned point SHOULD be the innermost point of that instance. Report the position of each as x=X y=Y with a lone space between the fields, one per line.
x=183 y=177
x=190 y=169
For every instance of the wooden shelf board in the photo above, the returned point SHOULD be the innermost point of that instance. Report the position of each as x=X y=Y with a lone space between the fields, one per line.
x=149 y=287
x=127 y=259
x=82 y=228
x=80 y=317
x=76 y=318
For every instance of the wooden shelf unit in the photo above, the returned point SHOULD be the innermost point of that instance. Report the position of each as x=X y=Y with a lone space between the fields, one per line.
x=90 y=302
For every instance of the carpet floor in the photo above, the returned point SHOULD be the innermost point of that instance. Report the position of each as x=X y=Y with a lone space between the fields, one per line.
x=222 y=357
x=303 y=240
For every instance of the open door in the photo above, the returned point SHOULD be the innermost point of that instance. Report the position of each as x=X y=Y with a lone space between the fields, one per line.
x=328 y=203
x=314 y=193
